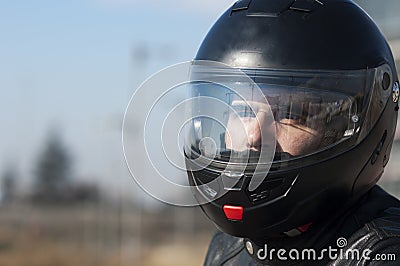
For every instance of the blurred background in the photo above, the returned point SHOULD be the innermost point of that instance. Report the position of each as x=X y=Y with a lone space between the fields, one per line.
x=67 y=72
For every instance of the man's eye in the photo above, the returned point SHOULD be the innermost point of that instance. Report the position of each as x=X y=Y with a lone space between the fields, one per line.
x=288 y=115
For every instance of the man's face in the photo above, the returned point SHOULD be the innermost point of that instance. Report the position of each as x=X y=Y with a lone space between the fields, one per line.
x=250 y=124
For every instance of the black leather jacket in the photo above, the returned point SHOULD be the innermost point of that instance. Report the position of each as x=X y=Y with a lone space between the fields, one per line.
x=371 y=226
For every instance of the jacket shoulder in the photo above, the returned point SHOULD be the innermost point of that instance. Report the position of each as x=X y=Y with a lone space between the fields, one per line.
x=376 y=243
x=223 y=247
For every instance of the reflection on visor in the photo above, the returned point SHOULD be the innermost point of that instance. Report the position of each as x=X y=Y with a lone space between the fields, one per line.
x=292 y=114
x=304 y=120
x=301 y=121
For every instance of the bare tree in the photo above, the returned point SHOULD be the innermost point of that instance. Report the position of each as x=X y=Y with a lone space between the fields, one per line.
x=8 y=184
x=53 y=171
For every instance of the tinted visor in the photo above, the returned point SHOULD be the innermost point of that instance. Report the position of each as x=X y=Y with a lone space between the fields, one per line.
x=262 y=116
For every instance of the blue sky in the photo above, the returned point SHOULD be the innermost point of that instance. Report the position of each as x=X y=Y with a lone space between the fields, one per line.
x=70 y=65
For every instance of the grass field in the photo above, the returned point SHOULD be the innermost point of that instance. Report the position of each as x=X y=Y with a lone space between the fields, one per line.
x=101 y=235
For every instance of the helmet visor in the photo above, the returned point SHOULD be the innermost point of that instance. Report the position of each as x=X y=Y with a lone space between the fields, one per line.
x=262 y=116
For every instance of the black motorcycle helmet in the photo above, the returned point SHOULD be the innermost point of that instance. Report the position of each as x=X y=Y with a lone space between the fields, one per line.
x=316 y=66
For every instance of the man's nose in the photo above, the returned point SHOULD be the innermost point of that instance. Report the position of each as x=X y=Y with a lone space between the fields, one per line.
x=258 y=131
x=254 y=134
